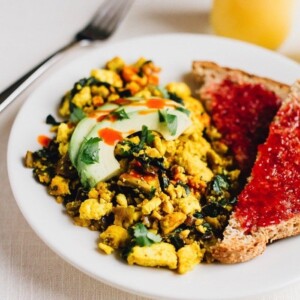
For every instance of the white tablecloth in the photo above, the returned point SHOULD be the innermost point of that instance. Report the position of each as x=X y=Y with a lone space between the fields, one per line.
x=31 y=30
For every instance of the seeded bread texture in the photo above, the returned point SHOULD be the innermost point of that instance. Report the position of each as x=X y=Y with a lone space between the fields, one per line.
x=238 y=245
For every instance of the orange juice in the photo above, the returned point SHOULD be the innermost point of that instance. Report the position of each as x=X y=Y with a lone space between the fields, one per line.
x=263 y=22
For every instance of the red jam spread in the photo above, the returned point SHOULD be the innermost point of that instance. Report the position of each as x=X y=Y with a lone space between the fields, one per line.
x=242 y=114
x=273 y=194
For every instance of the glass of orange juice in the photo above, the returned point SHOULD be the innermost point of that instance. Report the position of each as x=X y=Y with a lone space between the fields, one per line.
x=262 y=22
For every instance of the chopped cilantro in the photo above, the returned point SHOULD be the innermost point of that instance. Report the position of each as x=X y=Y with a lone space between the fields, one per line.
x=90 y=151
x=170 y=120
x=120 y=114
x=77 y=114
x=143 y=237
x=146 y=136
x=183 y=110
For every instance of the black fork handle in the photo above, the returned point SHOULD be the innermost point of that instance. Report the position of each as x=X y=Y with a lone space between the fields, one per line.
x=13 y=91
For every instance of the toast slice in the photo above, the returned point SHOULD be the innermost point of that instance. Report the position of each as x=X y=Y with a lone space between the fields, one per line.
x=250 y=228
x=241 y=105
x=268 y=208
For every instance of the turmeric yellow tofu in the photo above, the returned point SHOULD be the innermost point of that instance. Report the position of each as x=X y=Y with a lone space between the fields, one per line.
x=91 y=209
x=83 y=98
x=113 y=237
x=188 y=257
x=189 y=204
x=59 y=186
x=124 y=216
x=108 y=76
x=156 y=255
x=172 y=221
x=151 y=205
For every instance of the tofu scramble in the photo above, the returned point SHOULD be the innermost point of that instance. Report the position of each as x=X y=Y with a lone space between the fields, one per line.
x=140 y=163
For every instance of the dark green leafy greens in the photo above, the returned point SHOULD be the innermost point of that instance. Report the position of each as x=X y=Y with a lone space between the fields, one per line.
x=175 y=238
x=219 y=184
x=120 y=114
x=183 y=110
x=146 y=138
x=51 y=121
x=175 y=97
x=87 y=82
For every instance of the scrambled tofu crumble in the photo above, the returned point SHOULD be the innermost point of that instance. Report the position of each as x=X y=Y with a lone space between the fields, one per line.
x=171 y=199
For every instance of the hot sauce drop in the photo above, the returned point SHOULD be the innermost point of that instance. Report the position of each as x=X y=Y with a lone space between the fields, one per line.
x=43 y=140
x=242 y=113
x=156 y=103
x=110 y=136
x=273 y=194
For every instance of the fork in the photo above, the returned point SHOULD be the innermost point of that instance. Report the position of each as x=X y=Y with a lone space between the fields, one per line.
x=105 y=21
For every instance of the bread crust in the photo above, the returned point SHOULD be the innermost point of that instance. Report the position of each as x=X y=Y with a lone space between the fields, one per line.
x=209 y=74
x=238 y=245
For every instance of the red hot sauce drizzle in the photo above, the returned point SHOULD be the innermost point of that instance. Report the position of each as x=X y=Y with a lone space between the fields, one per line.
x=273 y=194
x=242 y=114
x=156 y=103
x=44 y=141
x=110 y=136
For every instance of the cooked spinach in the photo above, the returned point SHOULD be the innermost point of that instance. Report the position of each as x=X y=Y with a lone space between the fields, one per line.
x=51 y=120
x=219 y=184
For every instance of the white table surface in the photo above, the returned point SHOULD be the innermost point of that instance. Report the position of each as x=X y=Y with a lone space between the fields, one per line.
x=30 y=30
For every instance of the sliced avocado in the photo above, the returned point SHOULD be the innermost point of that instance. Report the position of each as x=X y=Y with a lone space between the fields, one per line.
x=84 y=127
x=107 y=166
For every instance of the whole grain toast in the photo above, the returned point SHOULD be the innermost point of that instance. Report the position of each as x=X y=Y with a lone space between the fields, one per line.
x=240 y=243
x=211 y=78
x=246 y=237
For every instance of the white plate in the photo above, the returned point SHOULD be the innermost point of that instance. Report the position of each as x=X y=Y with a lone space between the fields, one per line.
x=174 y=53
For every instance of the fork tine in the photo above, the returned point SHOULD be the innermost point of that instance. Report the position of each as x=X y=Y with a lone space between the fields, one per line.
x=114 y=19
x=102 y=11
x=114 y=14
x=106 y=19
